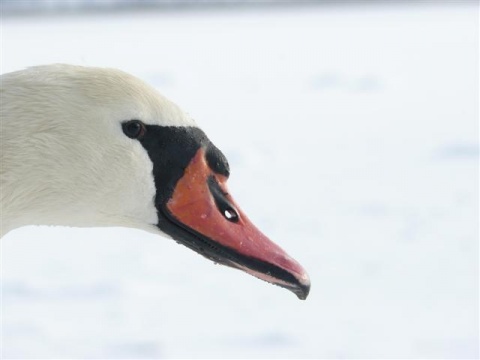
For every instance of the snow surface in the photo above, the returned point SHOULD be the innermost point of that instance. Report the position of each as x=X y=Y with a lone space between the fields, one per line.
x=352 y=134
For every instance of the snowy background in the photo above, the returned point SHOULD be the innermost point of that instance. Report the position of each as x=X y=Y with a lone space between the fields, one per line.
x=352 y=133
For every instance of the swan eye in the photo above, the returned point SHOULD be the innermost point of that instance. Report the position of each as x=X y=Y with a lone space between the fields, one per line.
x=134 y=129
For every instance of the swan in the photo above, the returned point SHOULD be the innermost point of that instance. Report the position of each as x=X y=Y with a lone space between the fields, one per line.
x=87 y=147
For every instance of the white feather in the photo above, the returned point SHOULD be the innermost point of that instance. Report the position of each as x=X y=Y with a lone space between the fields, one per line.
x=64 y=157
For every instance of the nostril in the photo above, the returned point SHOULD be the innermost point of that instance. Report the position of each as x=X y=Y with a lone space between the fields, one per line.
x=230 y=215
x=224 y=206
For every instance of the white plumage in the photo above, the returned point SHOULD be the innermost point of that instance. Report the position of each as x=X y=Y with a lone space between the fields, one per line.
x=64 y=158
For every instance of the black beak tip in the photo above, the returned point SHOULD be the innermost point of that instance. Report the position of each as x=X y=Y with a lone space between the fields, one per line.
x=301 y=288
x=302 y=291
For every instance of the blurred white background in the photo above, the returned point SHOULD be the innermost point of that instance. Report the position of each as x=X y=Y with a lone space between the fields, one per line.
x=352 y=134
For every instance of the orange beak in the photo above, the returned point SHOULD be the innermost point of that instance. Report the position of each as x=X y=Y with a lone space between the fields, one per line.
x=220 y=231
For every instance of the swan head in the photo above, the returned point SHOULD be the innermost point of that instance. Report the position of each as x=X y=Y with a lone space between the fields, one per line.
x=98 y=147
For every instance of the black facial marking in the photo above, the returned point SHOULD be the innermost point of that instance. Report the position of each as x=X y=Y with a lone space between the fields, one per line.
x=171 y=148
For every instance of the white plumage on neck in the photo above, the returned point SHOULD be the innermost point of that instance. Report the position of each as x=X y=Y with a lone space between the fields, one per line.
x=64 y=158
